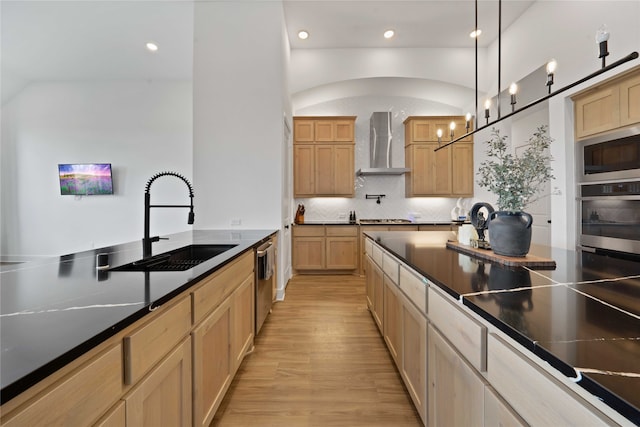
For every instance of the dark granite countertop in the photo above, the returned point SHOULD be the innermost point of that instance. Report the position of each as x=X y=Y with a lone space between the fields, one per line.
x=55 y=309
x=583 y=318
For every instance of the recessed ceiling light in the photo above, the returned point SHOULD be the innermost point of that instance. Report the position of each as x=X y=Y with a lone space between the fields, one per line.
x=475 y=33
x=303 y=35
x=389 y=33
x=152 y=47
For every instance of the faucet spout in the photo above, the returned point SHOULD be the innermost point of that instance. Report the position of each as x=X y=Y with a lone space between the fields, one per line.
x=147 y=240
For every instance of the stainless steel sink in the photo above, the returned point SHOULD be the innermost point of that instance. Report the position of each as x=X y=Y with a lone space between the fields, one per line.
x=180 y=259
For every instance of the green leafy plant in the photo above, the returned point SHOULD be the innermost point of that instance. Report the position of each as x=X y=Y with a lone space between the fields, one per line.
x=516 y=180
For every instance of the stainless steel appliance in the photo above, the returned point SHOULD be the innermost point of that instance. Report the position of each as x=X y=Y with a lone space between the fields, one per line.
x=380 y=144
x=265 y=269
x=610 y=157
x=610 y=216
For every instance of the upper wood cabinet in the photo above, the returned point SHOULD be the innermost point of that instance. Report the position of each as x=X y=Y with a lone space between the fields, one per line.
x=608 y=106
x=324 y=157
x=445 y=173
x=324 y=129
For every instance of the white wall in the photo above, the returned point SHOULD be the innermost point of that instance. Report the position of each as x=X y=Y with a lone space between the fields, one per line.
x=140 y=127
x=238 y=110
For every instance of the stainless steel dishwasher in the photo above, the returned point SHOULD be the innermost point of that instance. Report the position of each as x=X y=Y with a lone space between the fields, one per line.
x=265 y=266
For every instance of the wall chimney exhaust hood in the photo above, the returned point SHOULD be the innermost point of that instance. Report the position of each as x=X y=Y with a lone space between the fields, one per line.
x=380 y=140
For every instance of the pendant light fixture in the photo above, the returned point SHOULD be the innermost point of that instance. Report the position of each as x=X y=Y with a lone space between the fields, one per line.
x=602 y=37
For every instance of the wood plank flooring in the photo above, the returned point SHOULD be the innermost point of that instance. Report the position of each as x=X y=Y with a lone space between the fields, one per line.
x=318 y=361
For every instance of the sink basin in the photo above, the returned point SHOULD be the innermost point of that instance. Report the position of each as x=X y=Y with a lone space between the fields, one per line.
x=180 y=259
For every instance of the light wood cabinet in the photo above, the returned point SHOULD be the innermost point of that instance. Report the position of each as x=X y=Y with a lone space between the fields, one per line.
x=221 y=339
x=497 y=412
x=318 y=248
x=597 y=112
x=79 y=398
x=144 y=347
x=630 y=100
x=116 y=417
x=334 y=170
x=456 y=391
x=447 y=172
x=414 y=355
x=392 y=320
x=608 y=106
x=538 y=397
x=375 y=293
x=304 y=166
x=163 y=397
x=462 y=169
x=304 y=130
x=324 y=158
x=212 y=364
x=243 y=321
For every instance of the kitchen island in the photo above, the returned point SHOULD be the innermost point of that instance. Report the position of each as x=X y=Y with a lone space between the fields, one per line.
x=55 y=311
x=579 y=323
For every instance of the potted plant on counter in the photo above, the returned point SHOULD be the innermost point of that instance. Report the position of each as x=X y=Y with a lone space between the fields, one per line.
x=517 y=181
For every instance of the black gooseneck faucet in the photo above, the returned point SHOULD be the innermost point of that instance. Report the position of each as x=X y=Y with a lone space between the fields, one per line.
x=146 y=240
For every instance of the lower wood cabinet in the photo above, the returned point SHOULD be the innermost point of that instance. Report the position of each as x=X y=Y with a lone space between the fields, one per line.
x=318 y=248
x=497 y=412
x=212 y=364
x=456 y=391
x=375 y=292
x=392 y=320
x=460 y=370
x=537 y=396
x=77 y=399
x=220 y=342
x=414 y=355
x=163 y=397
x=243 y=323
x=116 y=417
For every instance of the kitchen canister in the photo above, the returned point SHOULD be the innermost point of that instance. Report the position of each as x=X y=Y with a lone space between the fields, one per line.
x=466 y=232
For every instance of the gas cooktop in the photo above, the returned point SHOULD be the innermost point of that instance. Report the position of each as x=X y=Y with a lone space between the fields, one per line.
x=385 y=221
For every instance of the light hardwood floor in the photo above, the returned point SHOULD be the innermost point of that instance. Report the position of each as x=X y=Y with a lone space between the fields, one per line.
x=318 y=361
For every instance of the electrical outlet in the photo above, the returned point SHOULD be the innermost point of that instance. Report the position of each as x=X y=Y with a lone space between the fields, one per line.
x=236 y=221
x=416 y=215
x=342 y=216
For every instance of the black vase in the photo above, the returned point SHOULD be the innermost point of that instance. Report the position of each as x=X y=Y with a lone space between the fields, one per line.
x=510 y=233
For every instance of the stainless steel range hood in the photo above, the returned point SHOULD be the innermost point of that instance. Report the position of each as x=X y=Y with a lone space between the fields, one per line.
x=380 y=140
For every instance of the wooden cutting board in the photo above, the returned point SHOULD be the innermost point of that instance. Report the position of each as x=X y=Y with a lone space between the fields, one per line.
x=488 y=255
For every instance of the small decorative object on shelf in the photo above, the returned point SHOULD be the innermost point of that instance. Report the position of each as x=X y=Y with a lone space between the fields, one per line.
x=480 y=213
x=517 y=181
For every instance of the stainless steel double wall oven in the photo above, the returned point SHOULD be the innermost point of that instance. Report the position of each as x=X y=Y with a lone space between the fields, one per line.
x=609 y=192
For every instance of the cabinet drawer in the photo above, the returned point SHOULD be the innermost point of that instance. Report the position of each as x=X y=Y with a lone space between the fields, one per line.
x=538 y=397
x=391 y=267
x=377 y=255
x=346 y=231
x=219 y=285
x=308 y=231
x=144 y=347
x=468 y=336
x=80 y=398
x=414 y=288
x=368 y=247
